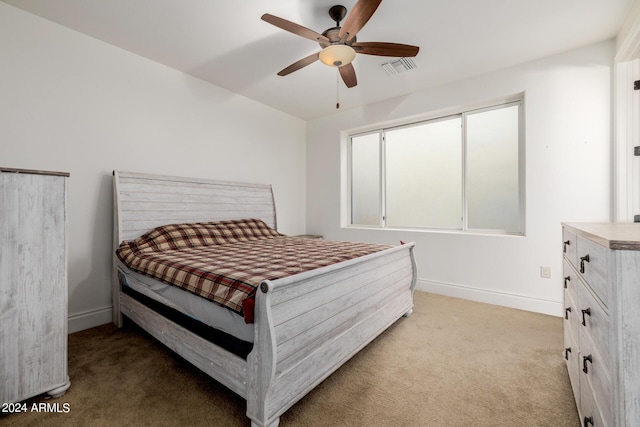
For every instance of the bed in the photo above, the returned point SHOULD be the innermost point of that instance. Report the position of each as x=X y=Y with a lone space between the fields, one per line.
x=304 y=326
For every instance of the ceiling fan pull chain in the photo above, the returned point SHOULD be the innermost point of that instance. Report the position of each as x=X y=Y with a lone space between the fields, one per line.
x=337 y=88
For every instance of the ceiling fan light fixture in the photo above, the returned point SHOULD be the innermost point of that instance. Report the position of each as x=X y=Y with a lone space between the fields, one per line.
x=337 y=55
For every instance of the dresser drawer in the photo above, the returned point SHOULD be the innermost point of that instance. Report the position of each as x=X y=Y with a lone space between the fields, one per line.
x=589 y=412
x=592 y=265
x=572 y=315
x=596 y=376
x=594 y=323
x=572 y=359
x=571 y=281
x=569 y=247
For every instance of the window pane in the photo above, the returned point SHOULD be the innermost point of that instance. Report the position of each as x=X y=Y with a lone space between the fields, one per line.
x=492 y=170
x=424 y=175
x=365 y=180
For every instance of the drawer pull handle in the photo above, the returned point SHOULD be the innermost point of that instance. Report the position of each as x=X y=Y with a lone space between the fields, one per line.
x=566 y=353
x=566 y=312
x=587 y=421
x=585 y=312
x=583 y=259
x=564 y=246
x=566 y=279
x=586 y=359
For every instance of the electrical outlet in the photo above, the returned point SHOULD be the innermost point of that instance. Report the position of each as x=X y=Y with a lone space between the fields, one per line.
x=545 y=272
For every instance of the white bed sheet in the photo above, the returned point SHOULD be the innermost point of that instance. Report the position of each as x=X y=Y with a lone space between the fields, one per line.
x=190 y=304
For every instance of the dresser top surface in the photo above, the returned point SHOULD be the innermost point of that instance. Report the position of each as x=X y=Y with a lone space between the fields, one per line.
x=621 y=236
x=32 y=172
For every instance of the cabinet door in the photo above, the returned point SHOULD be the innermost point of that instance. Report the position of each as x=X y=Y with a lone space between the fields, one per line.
x=33 y=285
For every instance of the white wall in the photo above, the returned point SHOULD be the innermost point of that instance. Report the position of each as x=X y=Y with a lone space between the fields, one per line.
x=72 y=103
x=568 y=177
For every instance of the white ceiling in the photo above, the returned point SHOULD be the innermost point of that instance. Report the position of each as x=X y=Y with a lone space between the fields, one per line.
x=226 y=43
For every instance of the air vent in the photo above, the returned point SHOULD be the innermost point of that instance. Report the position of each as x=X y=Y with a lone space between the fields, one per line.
x=398 y=66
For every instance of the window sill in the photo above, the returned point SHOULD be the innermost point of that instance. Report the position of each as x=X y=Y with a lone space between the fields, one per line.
x=487 y=233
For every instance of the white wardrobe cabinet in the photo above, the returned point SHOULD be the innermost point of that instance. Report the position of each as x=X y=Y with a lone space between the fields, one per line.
x=33 y=284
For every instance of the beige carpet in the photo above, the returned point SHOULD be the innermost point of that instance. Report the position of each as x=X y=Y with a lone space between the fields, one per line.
x=453 y=363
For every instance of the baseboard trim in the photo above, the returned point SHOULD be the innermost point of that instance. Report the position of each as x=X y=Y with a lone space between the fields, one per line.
x=552 y=308
x=89 y=319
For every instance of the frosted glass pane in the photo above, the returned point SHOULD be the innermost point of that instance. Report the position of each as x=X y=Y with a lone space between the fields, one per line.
x=365 y=180
x=424 y=175
x=492 y=170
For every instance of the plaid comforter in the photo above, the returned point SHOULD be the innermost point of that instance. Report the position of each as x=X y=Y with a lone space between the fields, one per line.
x=226 y=261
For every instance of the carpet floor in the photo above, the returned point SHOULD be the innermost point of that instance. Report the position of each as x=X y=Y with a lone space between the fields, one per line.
x=452 y=363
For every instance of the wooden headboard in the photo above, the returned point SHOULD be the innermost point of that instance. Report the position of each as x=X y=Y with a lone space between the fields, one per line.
x=143 y=202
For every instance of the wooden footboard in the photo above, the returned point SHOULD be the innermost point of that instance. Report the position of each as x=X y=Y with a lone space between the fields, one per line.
x=308 y=325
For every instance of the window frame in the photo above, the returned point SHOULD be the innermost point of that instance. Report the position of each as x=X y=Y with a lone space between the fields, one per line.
x=463 y=113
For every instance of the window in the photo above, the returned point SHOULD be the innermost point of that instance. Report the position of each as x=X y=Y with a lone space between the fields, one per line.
x=459 y=172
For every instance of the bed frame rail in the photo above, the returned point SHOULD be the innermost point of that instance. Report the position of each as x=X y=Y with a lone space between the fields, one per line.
x=220 y=364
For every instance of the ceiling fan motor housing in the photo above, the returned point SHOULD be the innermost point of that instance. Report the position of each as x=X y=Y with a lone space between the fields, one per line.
x=333 y=34
x=337 y=13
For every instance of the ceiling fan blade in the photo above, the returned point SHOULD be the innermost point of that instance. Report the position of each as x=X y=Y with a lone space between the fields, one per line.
x=294 y=28
x=348 y=74
x=300 y=64
x=359 y=15
x=385 y=49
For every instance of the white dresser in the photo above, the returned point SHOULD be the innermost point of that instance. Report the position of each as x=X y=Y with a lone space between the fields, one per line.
x=602 y=321
x=33 y=284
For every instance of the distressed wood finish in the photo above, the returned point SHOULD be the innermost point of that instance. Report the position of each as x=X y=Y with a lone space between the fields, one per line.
x=306 y=326
x=593 y=259
x=147 y=202
x=223 y=366
x=625 y=236
x=569 y=245
x=143 y=202
x=33 y=284
x=327 y=321
x=609 y=392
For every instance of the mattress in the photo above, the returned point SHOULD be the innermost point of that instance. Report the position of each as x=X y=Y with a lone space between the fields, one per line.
x=226 y=261
x=194 y=306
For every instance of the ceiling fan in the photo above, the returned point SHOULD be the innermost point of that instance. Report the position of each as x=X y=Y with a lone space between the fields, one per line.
x=339 y=44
